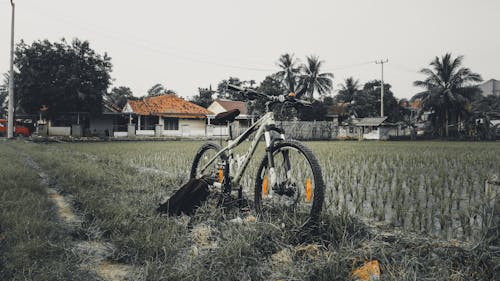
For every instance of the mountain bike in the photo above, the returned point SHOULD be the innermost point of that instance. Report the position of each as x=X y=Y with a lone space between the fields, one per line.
x=289 y=176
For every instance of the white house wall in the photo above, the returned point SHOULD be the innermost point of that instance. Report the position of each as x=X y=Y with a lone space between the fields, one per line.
x=188 y=128
x=217 y=130
x=216 y=108
x=145 y=132
x=120 y=134
x=192 y=127
x=127 y=109
x=59 y=131
x=373 y=135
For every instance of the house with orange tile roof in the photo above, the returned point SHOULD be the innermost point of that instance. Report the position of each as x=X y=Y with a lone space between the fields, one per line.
x=166 y=115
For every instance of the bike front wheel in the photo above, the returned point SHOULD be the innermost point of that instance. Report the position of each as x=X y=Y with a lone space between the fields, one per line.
x=294 y=187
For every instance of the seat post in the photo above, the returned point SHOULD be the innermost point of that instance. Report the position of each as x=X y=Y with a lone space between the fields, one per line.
x=230 y=128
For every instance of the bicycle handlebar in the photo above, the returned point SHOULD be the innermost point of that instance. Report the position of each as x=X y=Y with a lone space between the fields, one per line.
x=252 y=94
x=235 y=88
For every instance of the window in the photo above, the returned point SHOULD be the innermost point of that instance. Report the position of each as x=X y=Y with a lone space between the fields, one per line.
x=148 y=122
x=171 y=124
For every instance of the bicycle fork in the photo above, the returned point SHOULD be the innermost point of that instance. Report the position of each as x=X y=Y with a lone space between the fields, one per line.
x=273 y=178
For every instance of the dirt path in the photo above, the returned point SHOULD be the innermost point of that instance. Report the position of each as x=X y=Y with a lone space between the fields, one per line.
x=94 y=255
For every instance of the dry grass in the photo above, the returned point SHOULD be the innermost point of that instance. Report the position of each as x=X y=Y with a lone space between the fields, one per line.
x=117 y=199
x=34 y=243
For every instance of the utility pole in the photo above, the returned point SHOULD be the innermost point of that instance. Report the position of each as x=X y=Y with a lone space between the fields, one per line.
x=10 y=118
x=381 y=62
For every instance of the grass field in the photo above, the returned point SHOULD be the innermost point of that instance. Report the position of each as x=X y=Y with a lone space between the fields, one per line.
x=412 y=205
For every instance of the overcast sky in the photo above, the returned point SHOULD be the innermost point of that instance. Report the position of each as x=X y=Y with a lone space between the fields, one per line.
x=189 y=44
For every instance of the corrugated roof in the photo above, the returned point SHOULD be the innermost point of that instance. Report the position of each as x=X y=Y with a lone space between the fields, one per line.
x=370 y=121
x=168 y=106
x=110 y=107
x=231 y=104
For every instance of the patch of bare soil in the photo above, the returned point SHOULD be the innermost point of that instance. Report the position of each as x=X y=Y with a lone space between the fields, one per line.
x=94 y=255
x=113 y=271
x=64 y=209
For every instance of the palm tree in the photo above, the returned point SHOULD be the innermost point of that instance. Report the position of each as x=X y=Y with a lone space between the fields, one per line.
x=289 y=73
x=158 y=90
x=449 y=89
x=349 y=89
x=313 y=80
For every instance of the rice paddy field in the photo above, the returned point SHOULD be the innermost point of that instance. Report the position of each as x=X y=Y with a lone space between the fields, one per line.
x=424 y=210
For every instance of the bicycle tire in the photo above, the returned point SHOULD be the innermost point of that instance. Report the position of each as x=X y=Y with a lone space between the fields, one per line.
x=318 y=193
x=204 y=149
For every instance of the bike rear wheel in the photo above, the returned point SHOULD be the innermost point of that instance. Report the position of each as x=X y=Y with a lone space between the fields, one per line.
x=295 y=189
x=206 y=152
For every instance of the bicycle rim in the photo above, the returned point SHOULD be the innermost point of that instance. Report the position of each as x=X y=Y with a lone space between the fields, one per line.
x=296 y=191
x=202 y=157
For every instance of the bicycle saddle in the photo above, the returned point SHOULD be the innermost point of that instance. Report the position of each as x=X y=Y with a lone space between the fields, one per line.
x=227 y=116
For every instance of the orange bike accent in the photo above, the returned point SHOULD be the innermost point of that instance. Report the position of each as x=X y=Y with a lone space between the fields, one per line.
x=308 y=190
x=221 y=176
x=264 y=187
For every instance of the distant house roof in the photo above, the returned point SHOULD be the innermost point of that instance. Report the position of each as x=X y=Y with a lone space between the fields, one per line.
x=109 y=107
x=369 y=121
x=337 y=109
x=231 y=104
x=166 y=106
x=490 y=87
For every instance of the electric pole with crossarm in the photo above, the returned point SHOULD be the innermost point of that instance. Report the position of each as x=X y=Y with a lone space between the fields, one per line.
x=10 y=118
x=381 y=62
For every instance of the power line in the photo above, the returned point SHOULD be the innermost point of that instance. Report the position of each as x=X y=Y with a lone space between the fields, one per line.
x=340 y=67
x=136 y=43
x=403 y=68
x=112 y=35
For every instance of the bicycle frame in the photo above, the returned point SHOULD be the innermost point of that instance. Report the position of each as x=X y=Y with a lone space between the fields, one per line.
x=260 y=128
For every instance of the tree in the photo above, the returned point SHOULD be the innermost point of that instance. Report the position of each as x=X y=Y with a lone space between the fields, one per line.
x=489 y=105
x=4 y=93
x=349 y=89
x=290 y=72
x=312 y=79
x=61 y=76
x=225 y=93
x=315 y=112
x=158 y=90
x=449 y=88
x=271 y=86
x=392 y=109
x=120 y=95
x=204 y=98
x=482 y=111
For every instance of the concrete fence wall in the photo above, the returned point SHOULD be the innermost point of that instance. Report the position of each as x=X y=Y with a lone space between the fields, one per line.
x=309 y=130
x=60 y=131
